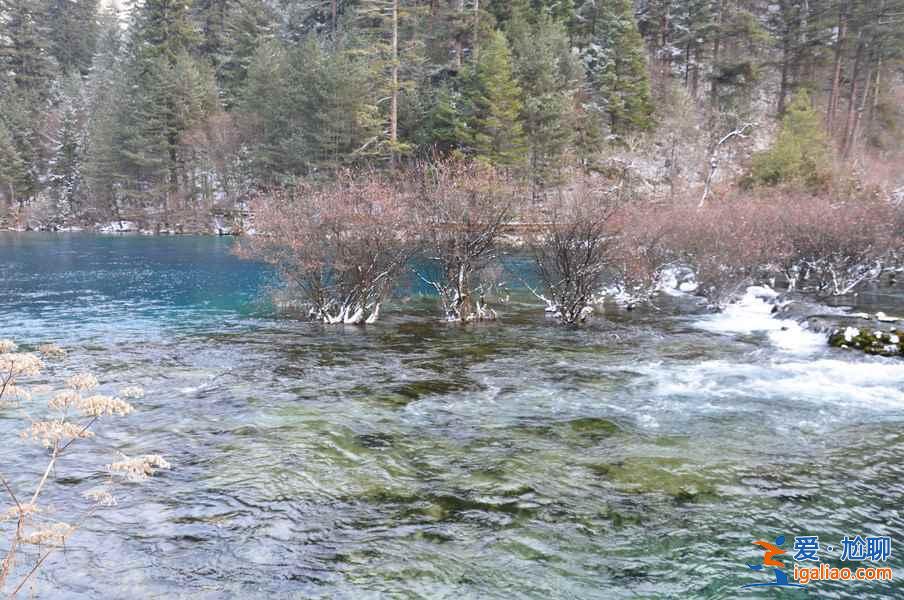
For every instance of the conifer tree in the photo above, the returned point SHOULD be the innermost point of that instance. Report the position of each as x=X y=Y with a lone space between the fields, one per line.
x=316 y=109
x=493 y=109
x=25 y=48
x=335 y=116
x=614 y=54
x=104 y=87
x=445 y=130
x=66 y=160
x=693 y=23
x=73 y=28
x=549 y=77
x=249 y=24
x=171 y=91
x=800 y=154
x=13 y=175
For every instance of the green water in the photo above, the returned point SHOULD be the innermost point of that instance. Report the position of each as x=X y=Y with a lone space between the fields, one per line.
x=636 y=458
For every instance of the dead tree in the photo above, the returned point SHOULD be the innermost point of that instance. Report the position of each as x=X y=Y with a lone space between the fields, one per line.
x=572 y=252
x=339 y=248
x=461 y=210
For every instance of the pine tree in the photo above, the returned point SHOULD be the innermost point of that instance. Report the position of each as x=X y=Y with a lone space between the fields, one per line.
x=13 y=175
x=167 y=92
x=25 y=48
x=105 y=85
x=445 y=130
x=549 y=77
x=265 y=99
x=66 y=162
x=74 y=28
x=505 y=10
x=693 y=24
x=316 y=109
x=800 y=153
x=163 y=28
x=22 y=121
x=493 y=110
x=614 y=54
x=249 y=24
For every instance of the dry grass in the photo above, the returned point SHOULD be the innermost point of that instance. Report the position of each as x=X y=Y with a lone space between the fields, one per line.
x=54 y=420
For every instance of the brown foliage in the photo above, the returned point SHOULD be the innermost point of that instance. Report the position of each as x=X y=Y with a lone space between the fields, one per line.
x=573 y=250
x=341 y=246
x=816 y=243
x=461 y=210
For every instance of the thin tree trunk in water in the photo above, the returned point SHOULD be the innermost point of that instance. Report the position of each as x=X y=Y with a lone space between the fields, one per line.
x=334 y=12
x=849 y=122
x=836 y=78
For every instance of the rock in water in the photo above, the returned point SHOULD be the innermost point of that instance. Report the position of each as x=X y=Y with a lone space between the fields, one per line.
x=871 y=341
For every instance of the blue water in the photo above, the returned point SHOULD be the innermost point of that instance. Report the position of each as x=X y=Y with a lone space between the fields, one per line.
x=638 y=457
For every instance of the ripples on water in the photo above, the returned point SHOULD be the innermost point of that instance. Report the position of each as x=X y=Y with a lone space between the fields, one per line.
x=637 y=458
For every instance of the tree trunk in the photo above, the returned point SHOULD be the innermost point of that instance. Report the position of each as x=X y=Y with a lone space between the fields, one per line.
x=717 y=43
x=785 y=84
x=394 y=108
x=476 y=28
x=695 y=77
x=858 y=117
x=847 y=139
x=839 y=57
x=877 y=88
x=459 y=44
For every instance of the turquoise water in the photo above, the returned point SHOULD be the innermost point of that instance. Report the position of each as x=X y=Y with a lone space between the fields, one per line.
x=636 y=458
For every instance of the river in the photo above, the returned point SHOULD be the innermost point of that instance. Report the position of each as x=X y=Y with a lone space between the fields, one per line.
x=638 y=457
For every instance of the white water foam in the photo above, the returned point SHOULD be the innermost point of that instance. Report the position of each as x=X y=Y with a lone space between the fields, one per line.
x=753 y=314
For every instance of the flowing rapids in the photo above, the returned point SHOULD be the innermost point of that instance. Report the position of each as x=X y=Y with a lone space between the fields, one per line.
x=638 y=457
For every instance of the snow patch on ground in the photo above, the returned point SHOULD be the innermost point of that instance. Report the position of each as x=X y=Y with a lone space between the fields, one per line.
x=677 y=281
x=119 y=227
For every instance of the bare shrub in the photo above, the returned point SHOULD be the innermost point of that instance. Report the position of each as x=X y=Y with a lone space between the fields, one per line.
x=643 y=253
x=726 y=243
x=830 y=247
x=67 y=417
x=815 y=243
x=461 y=211
x=572 y=248
x=339 y=247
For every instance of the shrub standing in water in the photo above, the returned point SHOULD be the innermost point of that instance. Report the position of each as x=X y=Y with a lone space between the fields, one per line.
x=68 y=416
x=831 y=247
x=339 y=246
x=573 y=246
x=816 y=243
x=461 y=212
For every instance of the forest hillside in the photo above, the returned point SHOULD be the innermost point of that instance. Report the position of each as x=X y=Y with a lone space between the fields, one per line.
x=171 y=114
